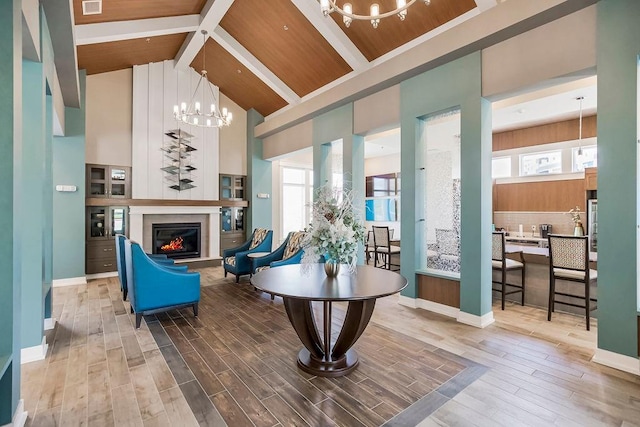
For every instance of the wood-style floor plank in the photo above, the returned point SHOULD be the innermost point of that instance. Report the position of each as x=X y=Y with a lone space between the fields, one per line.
x=236 y=365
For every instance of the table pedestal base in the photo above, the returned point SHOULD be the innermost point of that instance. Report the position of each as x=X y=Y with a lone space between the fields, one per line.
x=323 y=368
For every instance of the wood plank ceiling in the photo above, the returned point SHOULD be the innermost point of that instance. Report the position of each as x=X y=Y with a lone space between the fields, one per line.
x=262 y=54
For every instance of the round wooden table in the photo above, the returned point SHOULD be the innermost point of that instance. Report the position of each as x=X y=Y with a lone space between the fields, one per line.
x=300 y=284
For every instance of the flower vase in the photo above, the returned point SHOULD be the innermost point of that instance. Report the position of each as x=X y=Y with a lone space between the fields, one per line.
x=331 y=269
x=578 y=230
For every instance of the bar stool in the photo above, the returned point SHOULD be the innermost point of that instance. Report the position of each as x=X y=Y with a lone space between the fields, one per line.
x=500 y=262
x=569 y=260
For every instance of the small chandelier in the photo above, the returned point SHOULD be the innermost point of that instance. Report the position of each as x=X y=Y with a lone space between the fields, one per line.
x=193 y=113
x=328 y=6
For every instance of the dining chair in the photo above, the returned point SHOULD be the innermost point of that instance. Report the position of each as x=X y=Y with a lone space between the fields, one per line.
x=383 y=249
x=569 y=261
x=500 y=262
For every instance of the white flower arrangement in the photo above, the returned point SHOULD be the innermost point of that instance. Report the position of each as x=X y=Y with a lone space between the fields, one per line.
x=335 y=229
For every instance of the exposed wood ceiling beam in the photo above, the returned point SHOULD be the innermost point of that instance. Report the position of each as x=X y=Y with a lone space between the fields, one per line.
x=124 y=30
x=211 y=15
x=332 y=33
x=232 y=46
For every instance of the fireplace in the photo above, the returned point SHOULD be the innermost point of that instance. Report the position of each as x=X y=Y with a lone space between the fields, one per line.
x=177 y=240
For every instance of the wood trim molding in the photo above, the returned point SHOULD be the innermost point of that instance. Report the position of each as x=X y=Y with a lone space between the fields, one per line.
x=439 y=290
x=92 y=201
x=566 y=130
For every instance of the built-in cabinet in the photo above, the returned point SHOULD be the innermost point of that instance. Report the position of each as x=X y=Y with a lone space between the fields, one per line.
x=104 y=222
x=591 y=179
x=104 y=181
x=232 y=223
x=232 y=187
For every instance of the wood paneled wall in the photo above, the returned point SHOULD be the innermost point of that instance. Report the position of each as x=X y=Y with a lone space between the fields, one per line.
x=566 y=130
x=543 y=196
x=442 y=291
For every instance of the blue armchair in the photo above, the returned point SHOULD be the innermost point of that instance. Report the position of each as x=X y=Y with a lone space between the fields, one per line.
x=120 y=263
x=155 y=288
x=289 y=252
x=236 y=261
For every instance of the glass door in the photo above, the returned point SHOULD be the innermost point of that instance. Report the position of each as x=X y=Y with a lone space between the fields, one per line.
x=226 y=226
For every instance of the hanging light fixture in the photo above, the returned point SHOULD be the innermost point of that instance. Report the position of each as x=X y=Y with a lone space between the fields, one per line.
x=329 y=6
x=580 y=98
x=194 y=113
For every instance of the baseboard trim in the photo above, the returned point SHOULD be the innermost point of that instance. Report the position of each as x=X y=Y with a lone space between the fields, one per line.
x=19 y=417
x=407 y=302
x=617 y=361
x=445 y=310
x=102 y=275
x=49 y=323
x=35 y=353
x=477 y=321
x=72 y=281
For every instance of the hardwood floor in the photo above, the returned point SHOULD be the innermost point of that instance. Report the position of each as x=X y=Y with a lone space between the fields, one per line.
x=235 y=365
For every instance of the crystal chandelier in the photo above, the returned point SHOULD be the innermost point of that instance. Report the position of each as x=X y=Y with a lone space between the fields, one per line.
x=328 y=6
x=193 y=113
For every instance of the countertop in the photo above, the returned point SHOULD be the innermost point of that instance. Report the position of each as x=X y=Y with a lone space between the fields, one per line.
x=536 y=250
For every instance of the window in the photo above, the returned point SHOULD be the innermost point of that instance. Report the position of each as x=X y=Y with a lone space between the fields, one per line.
x=441 y=164
x=587 y=159
x=501 y=167
x=541 y=163
x=297 y=191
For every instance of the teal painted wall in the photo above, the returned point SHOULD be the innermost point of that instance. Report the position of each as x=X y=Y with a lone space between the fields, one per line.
x=618 y=46
x=259 y=178
x=10 y=144
x=68 y=208
x=333 y=126
x=456 y=84
x=31 y=206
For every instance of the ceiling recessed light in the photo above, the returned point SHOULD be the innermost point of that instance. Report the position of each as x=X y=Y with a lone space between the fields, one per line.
x=285 y=28
x=239 y=71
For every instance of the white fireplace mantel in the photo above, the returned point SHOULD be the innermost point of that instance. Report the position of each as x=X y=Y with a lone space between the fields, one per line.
x=136 y=214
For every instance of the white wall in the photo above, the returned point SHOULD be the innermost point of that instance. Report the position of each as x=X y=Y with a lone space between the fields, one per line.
x=233 y=140
x=157 y=87
x=108 y=118
x=381 y=165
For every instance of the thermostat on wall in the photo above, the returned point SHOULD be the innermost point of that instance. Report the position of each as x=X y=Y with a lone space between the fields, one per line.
x=66 y=188
x=263 y=195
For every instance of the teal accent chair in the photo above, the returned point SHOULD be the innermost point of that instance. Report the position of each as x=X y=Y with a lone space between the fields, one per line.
x=155 y=288
x=120 y=263
x=289 y=252
x=236 y=261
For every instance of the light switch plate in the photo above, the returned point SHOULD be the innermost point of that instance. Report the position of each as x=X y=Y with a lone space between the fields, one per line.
x=263 y=195
x=66 y=188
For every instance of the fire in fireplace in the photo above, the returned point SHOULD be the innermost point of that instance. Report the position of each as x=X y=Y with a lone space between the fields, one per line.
x=178 y=240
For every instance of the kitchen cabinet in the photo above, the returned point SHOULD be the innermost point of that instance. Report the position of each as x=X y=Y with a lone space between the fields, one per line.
x=105 y=181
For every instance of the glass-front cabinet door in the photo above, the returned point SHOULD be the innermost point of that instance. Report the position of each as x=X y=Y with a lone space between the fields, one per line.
x=118 y=182
x=239 y=219
x=119 y=220
x=97 y=181
x=97 y=223
x=226 y=225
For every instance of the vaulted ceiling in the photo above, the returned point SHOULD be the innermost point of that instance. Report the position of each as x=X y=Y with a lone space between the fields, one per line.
x=262 y=54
